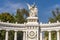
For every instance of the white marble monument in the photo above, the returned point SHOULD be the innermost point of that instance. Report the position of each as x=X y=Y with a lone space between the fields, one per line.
x=32 y=30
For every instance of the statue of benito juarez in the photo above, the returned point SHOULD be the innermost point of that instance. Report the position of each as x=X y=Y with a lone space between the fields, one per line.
x=32 y=10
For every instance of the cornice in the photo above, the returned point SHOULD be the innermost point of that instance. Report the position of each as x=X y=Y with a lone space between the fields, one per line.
x=50 y=25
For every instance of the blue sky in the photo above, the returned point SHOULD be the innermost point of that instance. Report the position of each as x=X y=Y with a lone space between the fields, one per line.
x=44 y=7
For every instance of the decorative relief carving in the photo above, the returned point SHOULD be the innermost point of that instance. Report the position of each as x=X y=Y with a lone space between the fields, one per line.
x=31 y=34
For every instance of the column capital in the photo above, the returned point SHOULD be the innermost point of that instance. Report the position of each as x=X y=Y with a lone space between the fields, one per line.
x=7 y=30
x=49 y=30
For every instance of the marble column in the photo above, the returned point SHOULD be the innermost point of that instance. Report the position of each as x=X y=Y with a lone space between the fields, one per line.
x=24 y=35
x=6 y=36
x=40 y=35
x=49 y=35
x=15 y=35
x=37 y=35
x=57 y=35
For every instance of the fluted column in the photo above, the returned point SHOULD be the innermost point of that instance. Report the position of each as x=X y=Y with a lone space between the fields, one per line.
x=49 y=35
x=24 y=35
x=6 y=36
x=15 y=35
x=57 y=35
x=40 y=35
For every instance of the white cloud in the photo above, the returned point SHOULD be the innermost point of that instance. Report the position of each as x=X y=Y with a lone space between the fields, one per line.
x=11 y=7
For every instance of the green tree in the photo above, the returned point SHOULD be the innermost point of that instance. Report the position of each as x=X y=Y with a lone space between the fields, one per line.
x=11 y=35
x=21 y=15
x=56 y=16
x=19 y=35
x=6 y=17
x=2 y=35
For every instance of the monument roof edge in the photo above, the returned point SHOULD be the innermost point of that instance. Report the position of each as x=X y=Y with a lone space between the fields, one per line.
x=11 y=24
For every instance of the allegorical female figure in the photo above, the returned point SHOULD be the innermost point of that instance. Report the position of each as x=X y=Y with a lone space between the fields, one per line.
x=32 y=10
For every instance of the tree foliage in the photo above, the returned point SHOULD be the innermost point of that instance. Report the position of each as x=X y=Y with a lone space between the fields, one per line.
x=6 y=17
x=21 y=15
x=11 y=35
x=56 y=15
x=2 y=35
